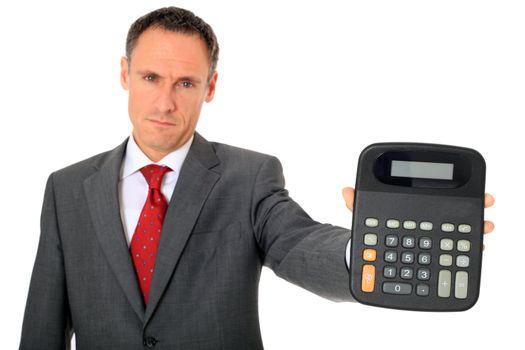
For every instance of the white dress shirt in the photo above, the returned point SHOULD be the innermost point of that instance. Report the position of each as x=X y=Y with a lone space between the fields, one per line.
x=133 y=187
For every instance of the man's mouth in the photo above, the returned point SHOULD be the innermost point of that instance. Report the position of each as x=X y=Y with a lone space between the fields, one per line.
x=161 y=123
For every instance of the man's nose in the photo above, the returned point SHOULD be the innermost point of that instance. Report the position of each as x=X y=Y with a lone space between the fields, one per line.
x=166 y=100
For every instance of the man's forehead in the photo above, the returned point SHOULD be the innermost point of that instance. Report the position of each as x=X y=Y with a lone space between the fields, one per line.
x=158 y=43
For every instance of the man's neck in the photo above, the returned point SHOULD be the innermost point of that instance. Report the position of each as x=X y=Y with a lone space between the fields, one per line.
x=155 y=154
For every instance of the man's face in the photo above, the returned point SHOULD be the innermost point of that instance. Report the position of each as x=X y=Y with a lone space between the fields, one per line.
x=167 y=80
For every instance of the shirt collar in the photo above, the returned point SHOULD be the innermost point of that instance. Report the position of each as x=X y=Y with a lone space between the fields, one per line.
x=135 y=159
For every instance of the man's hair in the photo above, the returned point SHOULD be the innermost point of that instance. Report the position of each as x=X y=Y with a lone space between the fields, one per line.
x=176 y=20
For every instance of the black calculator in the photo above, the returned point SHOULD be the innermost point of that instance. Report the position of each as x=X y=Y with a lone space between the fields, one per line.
x=417 y=229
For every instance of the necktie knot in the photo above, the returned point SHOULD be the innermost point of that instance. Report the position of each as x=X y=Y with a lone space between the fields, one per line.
x=153 y=174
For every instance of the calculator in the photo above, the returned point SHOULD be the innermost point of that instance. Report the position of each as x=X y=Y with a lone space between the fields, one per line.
x=417 y=229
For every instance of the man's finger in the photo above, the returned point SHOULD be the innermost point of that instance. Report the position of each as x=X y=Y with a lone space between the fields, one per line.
x=348 y=195
x=489 y=200
x=488 y=227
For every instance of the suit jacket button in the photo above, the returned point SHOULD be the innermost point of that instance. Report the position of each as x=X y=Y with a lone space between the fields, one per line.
x=150 y=342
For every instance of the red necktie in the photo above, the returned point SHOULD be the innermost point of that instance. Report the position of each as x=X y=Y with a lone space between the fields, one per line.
x=146 y=238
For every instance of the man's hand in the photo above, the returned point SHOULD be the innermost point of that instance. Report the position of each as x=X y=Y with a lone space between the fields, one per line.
x=348 y=195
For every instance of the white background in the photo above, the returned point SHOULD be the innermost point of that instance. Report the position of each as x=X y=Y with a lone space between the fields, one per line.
x=310 y=82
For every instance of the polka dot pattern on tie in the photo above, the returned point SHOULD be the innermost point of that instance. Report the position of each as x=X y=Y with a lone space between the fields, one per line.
x=145 y=240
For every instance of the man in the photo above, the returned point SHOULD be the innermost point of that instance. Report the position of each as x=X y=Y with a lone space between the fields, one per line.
x=160 y=242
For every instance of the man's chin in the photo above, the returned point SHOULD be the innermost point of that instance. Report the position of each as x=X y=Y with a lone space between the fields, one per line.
x=166 y=143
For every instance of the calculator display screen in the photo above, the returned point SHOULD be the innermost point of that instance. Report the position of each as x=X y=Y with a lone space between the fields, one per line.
x=422 y=170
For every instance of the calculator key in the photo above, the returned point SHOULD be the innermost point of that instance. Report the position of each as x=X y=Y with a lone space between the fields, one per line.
x=407 y=258
x=445 y=260
x=391 y=241
x=389 y=272
x=446 y=227
x=370 y=239
x=406 y=273
x=368 y=278
x=425 y=243
x=464 y=228
x=461 y=287
x=397 y=288
x=371 y=222
x=390 y=256
x=446 y=244
x=462 y=261
x=409 y=225
x=422 y=290
x=426 y=226
x=369 y=255
x=424 y=259
x=463 y=245
x=392 y=223
x=444 y=281
x=423 y=274
x=409 y=242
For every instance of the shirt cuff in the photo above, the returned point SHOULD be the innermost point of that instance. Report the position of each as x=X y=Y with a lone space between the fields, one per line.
x=347 y=256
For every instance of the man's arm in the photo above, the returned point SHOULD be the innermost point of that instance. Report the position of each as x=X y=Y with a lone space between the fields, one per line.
x=47 y=321
x=297 y=248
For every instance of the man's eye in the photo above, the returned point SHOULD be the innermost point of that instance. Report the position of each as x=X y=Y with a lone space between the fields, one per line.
x=186 y=84
x=150 y=77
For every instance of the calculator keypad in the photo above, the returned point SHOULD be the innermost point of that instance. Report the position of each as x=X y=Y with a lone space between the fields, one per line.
x=401 y=262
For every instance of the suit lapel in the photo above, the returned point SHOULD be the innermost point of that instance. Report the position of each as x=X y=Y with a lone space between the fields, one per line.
x=194 y=184
x=101 y=191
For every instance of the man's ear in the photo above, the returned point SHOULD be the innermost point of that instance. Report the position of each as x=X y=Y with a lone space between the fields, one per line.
x=211 y=87
x=124 y=73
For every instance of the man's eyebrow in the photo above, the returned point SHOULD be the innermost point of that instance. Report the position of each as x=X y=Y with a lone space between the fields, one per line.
x=147 y=72
x=189 y=78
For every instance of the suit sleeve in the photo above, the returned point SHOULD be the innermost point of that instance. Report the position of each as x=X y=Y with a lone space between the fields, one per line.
x=47 y=321
x=297 y=248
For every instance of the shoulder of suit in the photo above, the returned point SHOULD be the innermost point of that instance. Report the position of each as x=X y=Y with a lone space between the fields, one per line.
x=82 y=169
x=226 y=152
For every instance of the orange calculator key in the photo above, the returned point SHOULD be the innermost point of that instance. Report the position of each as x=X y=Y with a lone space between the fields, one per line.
x=368 y=278
x=369 y=255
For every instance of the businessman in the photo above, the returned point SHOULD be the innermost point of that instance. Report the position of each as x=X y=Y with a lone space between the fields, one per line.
x=159 y=243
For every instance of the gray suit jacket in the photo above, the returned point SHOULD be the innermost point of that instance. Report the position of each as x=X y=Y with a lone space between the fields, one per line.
x=229 y=216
